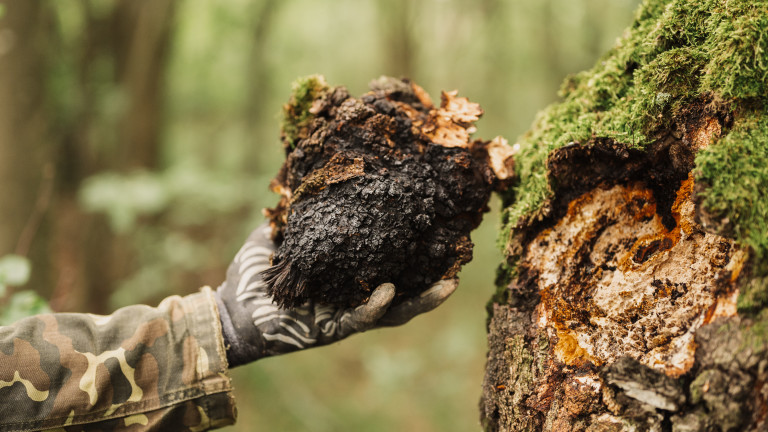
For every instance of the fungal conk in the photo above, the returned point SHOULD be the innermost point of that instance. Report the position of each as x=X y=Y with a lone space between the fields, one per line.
x=382 y=188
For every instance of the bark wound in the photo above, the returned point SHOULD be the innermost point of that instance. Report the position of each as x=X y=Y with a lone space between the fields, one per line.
x=617 y=289
x=594 y=266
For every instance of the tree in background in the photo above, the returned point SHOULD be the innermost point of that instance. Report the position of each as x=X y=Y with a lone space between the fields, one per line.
x=59 y=137
x=143 y=179
x=24 y=152
x=633 y=294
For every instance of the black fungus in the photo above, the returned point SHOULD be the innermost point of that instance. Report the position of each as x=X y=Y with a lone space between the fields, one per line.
x=372 y=201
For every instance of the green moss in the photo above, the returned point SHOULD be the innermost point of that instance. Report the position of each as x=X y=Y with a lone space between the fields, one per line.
x=735 y=171
x=674 y=53
x=521 y=367
x=738 y=65
x=756 y=335
x=699 y=385
x=753 y=295
x=504 y=275
x=296 y=113
x=543 y=348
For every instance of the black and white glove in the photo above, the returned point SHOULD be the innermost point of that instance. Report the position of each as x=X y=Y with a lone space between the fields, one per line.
x=254 y=326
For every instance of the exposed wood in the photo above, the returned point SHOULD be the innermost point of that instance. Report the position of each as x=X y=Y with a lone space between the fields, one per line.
x=633 y=296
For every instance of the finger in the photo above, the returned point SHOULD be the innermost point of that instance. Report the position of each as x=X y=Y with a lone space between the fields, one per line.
x=365 y=316
x=431 y=298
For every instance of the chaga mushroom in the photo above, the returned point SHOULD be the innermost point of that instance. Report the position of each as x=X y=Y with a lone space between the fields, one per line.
x=384 y=188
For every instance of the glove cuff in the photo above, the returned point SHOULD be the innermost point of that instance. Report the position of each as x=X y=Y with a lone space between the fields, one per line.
x=239 y=352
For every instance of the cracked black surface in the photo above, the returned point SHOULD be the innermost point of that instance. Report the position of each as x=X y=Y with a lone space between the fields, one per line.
x=406 y=220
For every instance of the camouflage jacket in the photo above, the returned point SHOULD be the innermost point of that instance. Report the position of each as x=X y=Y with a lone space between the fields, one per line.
x=141 y=368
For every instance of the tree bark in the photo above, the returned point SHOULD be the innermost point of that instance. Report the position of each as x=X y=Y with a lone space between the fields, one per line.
x=632 y=295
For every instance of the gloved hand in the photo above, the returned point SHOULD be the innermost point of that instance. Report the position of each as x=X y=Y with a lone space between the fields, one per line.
x=255 y=327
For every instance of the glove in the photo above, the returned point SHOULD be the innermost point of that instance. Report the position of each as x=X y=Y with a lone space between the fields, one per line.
x=253 y=326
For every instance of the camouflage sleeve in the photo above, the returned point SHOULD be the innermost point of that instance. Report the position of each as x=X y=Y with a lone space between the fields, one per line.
x=141 y=368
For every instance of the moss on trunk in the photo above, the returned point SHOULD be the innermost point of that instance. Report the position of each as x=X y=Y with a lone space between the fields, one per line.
x=636 y=275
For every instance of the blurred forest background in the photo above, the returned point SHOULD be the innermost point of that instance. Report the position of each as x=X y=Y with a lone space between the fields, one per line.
x=138 y=137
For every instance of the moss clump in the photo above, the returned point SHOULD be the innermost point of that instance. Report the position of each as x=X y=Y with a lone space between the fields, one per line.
x=735 y=172
x=674 y=54
x=504 y=275
x=296 y=113
x=738 y=63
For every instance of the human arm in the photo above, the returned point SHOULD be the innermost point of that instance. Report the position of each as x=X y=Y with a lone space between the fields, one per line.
x=141 y=368
x=164 y=368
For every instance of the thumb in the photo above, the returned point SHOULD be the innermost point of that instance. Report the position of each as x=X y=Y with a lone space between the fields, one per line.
x=433 y=297
x=365 y=316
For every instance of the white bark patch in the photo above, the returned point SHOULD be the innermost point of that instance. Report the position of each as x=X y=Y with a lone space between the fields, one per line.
x=615 y=281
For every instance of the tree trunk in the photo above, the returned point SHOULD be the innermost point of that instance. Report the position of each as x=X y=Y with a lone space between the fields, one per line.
x=125 y=51
x=25 y=154
x=132 y=39
x=398 y=39
x=633 y=292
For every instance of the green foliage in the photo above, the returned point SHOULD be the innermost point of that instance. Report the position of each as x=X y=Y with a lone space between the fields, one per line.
x=14 y=271
x=296 y=113
x=123 y=198
x=735 y=171
x=186 y=197
x=674 y=52
x=188 y=194
x=21 y=305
